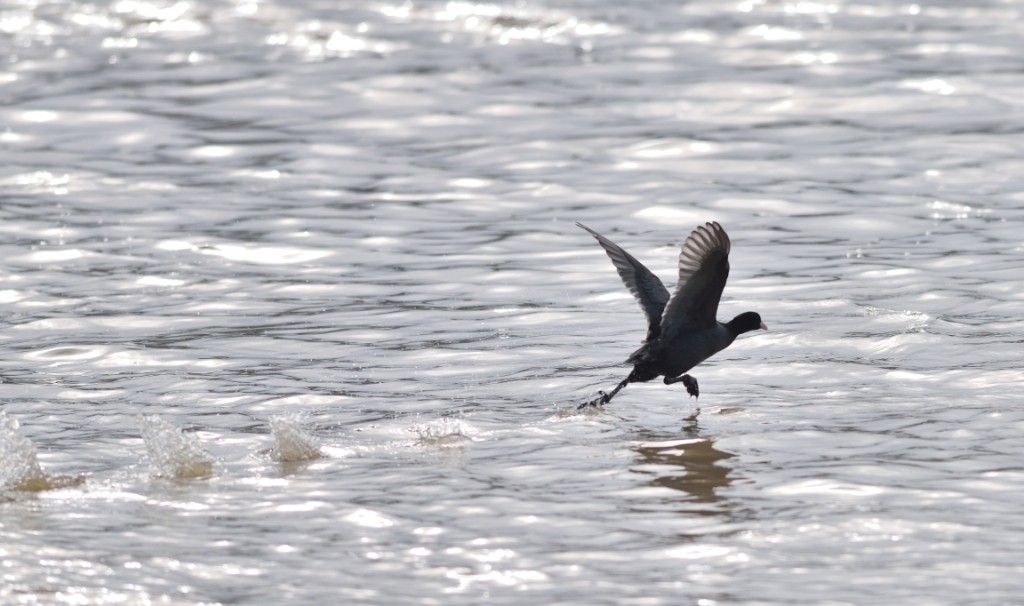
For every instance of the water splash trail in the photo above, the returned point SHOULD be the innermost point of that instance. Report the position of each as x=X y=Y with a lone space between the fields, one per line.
x=173 y=453
x=444 y=432
x=291 y=443
x=19 y=462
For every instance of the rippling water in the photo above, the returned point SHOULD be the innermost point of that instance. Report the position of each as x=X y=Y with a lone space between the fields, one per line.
x=295 y=310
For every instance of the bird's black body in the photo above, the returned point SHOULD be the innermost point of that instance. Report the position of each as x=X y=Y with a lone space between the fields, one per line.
x=682 y=330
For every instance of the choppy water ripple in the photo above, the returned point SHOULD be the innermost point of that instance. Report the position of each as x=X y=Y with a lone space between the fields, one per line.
x=331 y=250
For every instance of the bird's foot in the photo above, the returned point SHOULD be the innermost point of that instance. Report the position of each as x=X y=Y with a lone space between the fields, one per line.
x=600 y=400
x=691 y=386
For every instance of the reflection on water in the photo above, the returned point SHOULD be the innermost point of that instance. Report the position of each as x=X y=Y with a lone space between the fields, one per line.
x=692 y=466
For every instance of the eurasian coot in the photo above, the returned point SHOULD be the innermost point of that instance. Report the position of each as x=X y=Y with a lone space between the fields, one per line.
x=682 y=330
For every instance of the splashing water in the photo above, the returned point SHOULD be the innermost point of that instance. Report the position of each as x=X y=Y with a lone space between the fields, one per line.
x=291 y=443
x=19 y=463
x=173 y=453
x=447 y=431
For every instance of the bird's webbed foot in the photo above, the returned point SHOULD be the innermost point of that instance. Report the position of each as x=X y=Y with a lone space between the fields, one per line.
x=689 y=382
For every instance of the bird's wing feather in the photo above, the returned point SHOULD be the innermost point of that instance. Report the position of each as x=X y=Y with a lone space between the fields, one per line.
x=649 y=291
x=703 y=270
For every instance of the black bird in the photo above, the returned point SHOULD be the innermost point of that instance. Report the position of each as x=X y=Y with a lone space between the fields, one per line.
x=682 y=330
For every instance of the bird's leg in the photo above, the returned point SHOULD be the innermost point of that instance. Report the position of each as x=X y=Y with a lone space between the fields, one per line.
x=604 y=398
x=691 y=384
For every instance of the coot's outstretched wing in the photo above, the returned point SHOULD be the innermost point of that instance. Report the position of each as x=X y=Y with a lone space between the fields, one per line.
x=650 y=293
x=703 y=270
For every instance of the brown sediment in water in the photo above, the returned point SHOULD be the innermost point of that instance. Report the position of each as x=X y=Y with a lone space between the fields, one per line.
x=44 y=482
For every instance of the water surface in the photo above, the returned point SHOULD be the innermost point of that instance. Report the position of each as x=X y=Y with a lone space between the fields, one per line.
x=295 y=311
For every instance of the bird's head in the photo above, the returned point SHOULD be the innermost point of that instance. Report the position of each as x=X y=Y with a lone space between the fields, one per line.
x=746 y=322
